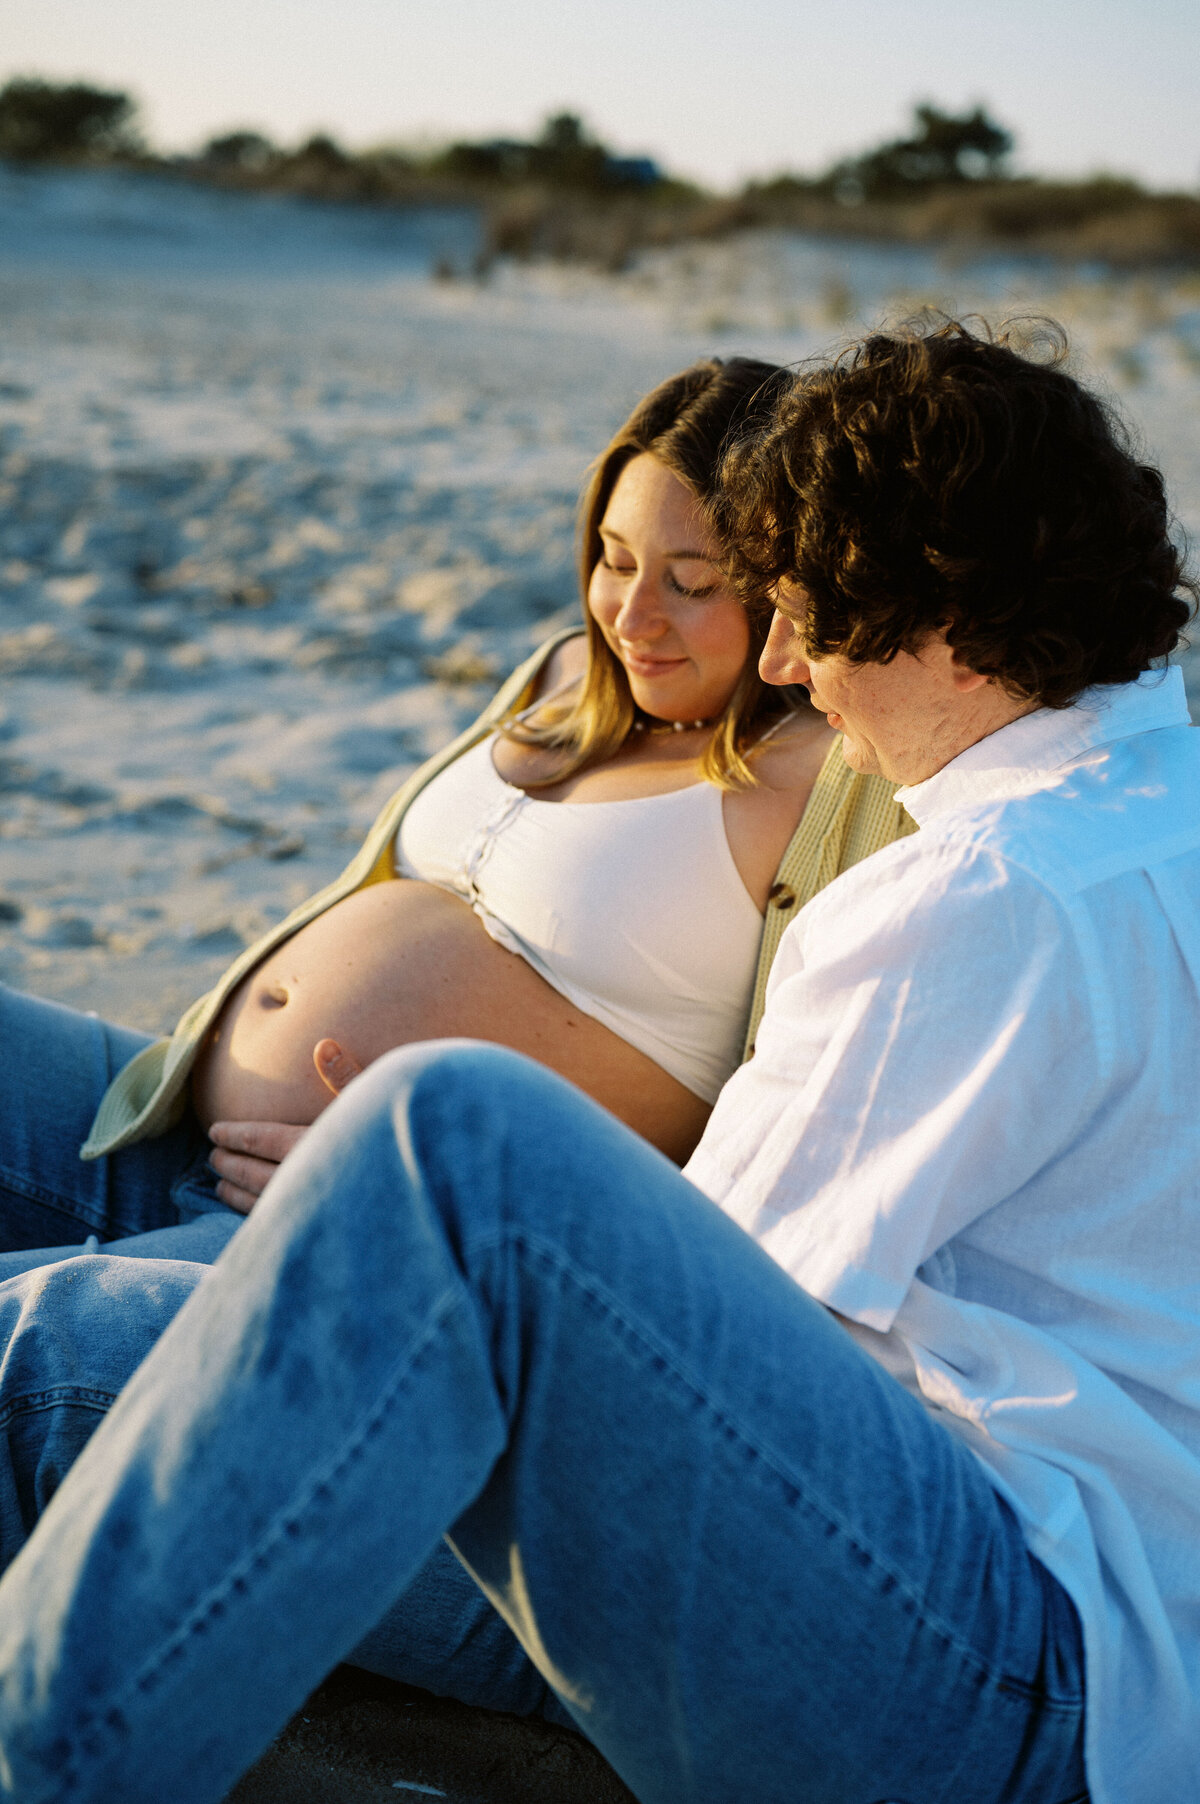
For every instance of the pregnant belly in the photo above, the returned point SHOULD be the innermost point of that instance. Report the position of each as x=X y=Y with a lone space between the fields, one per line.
x=404 y=961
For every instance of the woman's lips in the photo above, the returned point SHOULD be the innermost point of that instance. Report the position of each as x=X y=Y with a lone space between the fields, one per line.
x=650 y=667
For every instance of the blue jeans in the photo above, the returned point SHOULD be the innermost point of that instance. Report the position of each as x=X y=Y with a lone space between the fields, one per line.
x=748 y=1563
x=157 y=1201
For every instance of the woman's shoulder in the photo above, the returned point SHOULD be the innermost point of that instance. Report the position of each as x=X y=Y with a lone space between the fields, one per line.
x=760 y=821
x=565 y=663
x=790 y=755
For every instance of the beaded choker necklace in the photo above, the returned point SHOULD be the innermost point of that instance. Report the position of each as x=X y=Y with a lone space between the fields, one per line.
x=673 y=726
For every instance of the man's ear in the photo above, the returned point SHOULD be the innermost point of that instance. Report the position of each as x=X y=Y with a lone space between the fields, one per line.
x=938 y=651
x=964 y=678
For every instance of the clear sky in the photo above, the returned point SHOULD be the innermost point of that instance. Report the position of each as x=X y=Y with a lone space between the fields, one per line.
x=717 y=89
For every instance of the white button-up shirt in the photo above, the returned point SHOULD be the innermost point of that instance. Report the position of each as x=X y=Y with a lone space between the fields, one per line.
x=972 y=1127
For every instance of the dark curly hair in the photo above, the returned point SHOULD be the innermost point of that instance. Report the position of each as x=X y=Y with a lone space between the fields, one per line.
x=936 y=479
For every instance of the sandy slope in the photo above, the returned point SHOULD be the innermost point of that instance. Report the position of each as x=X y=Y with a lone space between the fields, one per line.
x=277 y=508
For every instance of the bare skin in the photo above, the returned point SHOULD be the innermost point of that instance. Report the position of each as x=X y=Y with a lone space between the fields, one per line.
x=405 y=961
x=401 y=962
x=903 y=720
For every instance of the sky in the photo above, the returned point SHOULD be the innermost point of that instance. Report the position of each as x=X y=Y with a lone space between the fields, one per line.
x=714 y=90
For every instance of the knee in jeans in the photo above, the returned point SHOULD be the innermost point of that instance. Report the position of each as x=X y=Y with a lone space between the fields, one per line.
x=457 y=1091
x=483 y=1132
x=469 y=1066
x=87 y=1321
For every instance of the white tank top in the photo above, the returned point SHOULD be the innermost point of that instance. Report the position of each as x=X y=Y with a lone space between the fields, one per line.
x=633 y=910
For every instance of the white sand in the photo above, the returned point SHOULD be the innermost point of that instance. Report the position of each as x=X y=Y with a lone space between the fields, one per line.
x=277 y=509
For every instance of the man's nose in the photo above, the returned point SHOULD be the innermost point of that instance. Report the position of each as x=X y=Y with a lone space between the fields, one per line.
x=783 y=659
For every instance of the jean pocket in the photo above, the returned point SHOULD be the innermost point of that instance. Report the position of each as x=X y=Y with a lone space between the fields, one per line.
x=194 y=1191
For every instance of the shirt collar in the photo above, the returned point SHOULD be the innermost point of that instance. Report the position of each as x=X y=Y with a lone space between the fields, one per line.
x=1012 y=759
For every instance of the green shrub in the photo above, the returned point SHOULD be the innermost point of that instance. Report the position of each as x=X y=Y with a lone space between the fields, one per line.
x=49 y=122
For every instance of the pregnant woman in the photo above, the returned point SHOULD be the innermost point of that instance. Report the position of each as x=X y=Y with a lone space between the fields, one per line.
x=595 y=874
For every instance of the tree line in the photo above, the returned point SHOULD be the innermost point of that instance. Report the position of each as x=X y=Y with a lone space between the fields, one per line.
x=42 y=121
x=564 y=193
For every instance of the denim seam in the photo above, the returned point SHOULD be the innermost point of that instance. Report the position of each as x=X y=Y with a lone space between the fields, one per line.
x=108 y=1722
x=32 y=1402
x=71 y=1207
x=599 y=1296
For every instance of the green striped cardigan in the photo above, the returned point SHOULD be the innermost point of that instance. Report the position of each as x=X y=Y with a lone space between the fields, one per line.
x=847 y=817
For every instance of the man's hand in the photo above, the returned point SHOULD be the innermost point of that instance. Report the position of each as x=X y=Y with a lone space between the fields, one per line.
x=246 y=1155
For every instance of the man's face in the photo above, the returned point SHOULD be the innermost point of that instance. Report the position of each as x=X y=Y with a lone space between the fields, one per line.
x=903 y=720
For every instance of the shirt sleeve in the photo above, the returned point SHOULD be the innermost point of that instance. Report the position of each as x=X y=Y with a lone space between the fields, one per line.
x=929 y=1045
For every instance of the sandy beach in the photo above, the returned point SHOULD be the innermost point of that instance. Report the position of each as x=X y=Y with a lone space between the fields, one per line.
x=279 y=508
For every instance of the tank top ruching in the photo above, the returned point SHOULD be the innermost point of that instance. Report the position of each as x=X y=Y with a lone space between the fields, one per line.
x=633 y=910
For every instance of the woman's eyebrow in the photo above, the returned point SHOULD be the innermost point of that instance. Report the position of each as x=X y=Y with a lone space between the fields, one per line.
x=701 y=557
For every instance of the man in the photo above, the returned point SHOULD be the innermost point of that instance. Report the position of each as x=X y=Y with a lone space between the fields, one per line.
x=874 y=1517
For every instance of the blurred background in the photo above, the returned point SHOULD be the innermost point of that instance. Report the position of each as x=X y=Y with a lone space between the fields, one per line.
x=312 y=319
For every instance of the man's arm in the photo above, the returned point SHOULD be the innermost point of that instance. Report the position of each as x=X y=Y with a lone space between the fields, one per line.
x=929 y=1046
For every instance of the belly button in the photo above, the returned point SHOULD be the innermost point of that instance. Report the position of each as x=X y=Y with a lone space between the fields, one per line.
x=274 y=997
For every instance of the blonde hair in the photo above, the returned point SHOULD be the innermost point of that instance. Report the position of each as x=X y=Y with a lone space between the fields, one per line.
x=687 y=423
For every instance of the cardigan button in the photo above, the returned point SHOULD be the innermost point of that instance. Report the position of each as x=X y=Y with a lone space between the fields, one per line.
x=780 y=896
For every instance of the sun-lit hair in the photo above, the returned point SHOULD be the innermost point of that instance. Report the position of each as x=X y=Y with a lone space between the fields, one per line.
x=688 y=423
x=938 y=478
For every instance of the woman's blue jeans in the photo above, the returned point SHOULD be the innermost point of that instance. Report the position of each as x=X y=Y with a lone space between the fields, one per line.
x=750 y=1565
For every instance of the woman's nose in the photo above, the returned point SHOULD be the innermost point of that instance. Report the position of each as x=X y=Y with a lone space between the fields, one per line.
x=783 y=658
x=641 y=614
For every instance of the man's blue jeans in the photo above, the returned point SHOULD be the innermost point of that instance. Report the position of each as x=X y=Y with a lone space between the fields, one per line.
x=747 y=1562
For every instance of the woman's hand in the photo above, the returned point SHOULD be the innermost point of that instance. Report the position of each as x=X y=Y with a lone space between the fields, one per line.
x=247 y=1154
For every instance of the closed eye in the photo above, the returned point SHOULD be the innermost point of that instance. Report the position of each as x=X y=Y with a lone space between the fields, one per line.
x=699 y=593
x=694 y=577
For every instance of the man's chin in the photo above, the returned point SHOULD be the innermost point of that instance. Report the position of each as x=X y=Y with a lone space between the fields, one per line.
x=860 y=757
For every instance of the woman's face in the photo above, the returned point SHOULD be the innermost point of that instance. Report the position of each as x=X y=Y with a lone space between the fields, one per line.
x=660 y=600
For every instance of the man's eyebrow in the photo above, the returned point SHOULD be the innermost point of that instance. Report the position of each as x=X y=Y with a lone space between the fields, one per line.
x=701 y=557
